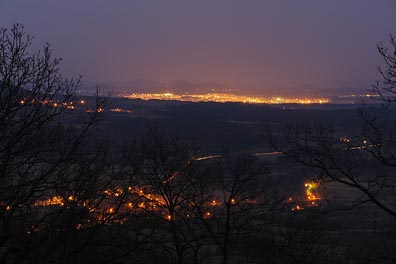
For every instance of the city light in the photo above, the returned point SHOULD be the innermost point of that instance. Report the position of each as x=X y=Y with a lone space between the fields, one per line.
x=311 y=192
x=310 y=199
x=224 y=98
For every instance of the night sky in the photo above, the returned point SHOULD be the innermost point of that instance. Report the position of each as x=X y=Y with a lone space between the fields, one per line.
x=253 y=45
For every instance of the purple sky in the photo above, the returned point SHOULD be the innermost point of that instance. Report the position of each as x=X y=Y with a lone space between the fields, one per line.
x=254 y=45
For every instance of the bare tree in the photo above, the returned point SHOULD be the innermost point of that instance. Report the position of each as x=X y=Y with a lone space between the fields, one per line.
x=235 y=203
x=161 y=168
x=386 y=89
x=364 y=162
x=38 y=144
x=198 y=208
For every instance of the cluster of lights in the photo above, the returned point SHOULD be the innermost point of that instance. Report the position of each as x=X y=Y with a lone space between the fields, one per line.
x=108 y=212
x=345 y=139
x=311 y=192
x=120 y=110
x=359 y=95
x=349 y=140
x=223 y=98
x=311 y=196
x=152 y=202
x=72 y=105
x=149 y=202
x=69 y=105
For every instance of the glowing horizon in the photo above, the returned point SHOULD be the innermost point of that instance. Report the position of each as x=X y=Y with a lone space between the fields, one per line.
x=226 y=98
